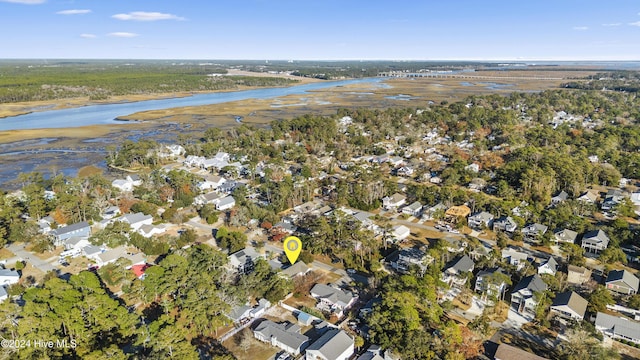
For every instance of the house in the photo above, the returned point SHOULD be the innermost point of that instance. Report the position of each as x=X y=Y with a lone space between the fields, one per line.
x=239 y=314
x=9 y=277
x=211 y=183
x=577 y=275
x=394 y=201
x=77 y=229
x=455 y=245
x=285 y=336
x=515 y=257
x=505 y=223
x=490 y=284
x=139 y=270
x=76 y=243
x=454 y=213
x=569 y=305
x=480 y=219
x=150 y=230
x=508 y=352
x=261 y=308
x=405 y=171
x=533 y=232
x=111 y=212
x=334 y=344
x=128 y=183
x=565 y=236
x=548 y=266
x=226 y=203
x=400 y=232
x=413 y=210
x=331 y=299
x=243 y=261
x=284 y=227
x=297 y=269
x=411 y=257
x=480 y=252
x=365 y=218
x=433 y=211
x=305 y=319
x=458 y=270
x=523 y=297
x=110 y=256
x=588 y=197
x=622 y=281
x=374 y=352
x=136 y=220
x=618 y=327
x=208 y=198
x=595 y=241
x=613 y=198
x=175 y=150
x=561 y=197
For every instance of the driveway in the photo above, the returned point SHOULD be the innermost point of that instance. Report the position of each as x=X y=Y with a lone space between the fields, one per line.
x=30 y=258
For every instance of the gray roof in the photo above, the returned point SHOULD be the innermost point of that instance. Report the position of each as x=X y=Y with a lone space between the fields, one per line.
x=550 y=262
x=482 y=216
x=135 y=218
x=536 y=228
x=531 y=282
x=566 y=235
x=362 y=215
x=91 y=250
x=70 y=228
x=332 y=343
x=561 y=196
x=596 y=235
x=572 y=300
x=332 y=294
x=625 y=276
x=463 y=264
x=415 y=206
x=7 y=272
x=296 y=269
x=285 y=333
x=238 y=312
x=619 y=325
x=226 y=201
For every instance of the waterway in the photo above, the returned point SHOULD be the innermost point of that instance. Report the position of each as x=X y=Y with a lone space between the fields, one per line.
x=108 y=113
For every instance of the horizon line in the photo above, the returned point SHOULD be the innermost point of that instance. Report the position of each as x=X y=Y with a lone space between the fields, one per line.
x=343 y=59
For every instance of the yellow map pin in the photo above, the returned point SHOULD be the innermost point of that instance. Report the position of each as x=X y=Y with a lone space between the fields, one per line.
x=292 y=248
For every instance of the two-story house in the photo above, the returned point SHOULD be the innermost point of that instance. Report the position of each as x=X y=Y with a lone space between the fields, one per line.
x=595 y=241
x=524 y=297
x=622 y=282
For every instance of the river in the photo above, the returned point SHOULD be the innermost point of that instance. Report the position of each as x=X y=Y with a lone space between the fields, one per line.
x=106 y=114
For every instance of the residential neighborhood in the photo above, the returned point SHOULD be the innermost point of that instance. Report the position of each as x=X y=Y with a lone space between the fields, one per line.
x=386 y=250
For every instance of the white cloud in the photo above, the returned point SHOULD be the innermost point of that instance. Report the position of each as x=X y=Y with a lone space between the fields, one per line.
x=123 y=34
x=88 y=36
x=27 y=2
x=612 y=24
x=146 y=16
x=73 y=12
x=637 y=23
x=580 y=28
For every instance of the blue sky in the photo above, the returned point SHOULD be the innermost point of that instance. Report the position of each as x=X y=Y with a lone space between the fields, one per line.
x=321 y=29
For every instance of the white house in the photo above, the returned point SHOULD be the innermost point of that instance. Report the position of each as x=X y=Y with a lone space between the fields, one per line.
x=413 y=210
x=400 y=232
x=136 y=220
x=285 y=336
x=618 y=327
x=595 y=241
x=208 y=198
x=9 y=277
x=394 y=201
x=334 y=344
x=331 y=299
x=211 y=183
x=565 y=236
x=515 y=257
x=226 y=203
x=523 y=299
x=548 y=266
x=569 y=305
x=479 y=219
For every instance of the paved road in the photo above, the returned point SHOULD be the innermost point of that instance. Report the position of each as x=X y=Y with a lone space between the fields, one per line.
x=30 y=258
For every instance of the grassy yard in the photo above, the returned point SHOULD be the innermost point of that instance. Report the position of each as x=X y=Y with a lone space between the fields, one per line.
x=245 y=347
x=6 y=254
